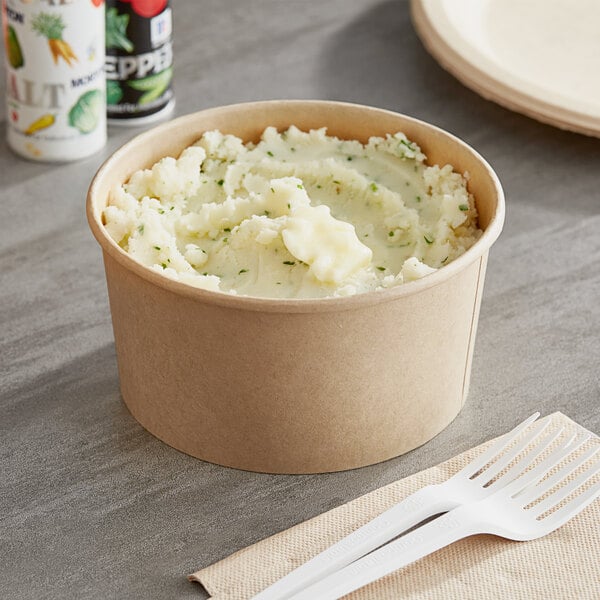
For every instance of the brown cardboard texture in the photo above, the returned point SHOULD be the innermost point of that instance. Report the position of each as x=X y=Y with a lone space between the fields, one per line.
x=295 y=386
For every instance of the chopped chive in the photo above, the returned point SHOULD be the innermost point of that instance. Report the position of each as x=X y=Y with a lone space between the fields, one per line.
x=429 y=240
x=288 y=205
x=227 y=229
x=293 y=149
x=205 y=273
x=272 y=191
x=157 y=247
x=374 y=186
x=242 y=271
x=300 y=186
x=349 y=158
x=225 y=240
x=337 y=182
x=220 y=182
x=289 y=262
x=168 y=260
x=172 y=207
x=270 y=153
x=161 y=211
x=381 y=268
x=278 y=282
x=267 y=213
x=141 y=229
x=391 y=234
x=418 y=198
x=463 y=207
x=163 y=265
x=445 y=260
x=319 y=186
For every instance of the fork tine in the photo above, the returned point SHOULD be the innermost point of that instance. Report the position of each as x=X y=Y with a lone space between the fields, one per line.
x=507 y=458
x=529 y=458
x=480 y=462
x=560 y=494
x=535 y=491
x=573 y=507
x=534 y=475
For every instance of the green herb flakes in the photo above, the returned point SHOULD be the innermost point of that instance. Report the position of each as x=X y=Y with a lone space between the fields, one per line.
x=289 y=262
x=270 y=153
x=428 y=239
x=242 y=271
x=141 y=229
x=374 y=187
x=380 y=268
x=157 y=247
x=220 y=182
x=463 y=207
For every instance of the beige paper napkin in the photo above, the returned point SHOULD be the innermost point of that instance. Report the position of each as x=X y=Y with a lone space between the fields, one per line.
x=563 y=565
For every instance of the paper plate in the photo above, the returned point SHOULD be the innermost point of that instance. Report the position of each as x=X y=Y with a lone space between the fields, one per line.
x=538 y=58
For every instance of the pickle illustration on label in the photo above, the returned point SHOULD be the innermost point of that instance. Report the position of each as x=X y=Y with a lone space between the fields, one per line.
x=13 y=48
x=51 y=26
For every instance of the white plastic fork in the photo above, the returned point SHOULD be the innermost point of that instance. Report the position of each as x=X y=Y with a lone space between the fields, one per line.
x=508 y=513
x=470 y=484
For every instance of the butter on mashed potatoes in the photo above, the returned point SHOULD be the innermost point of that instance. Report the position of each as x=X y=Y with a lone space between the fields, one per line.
x=297 y=215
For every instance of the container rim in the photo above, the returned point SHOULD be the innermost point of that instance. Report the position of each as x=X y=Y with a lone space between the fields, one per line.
x=290 y=305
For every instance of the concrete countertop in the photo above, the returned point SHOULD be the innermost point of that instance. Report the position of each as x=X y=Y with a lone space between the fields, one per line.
x=91 y=505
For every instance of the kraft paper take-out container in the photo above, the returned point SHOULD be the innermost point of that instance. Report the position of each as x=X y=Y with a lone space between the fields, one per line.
x=295 y=386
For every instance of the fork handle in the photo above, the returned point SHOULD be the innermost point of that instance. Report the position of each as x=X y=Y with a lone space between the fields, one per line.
x=424 y=503
x=428 y=538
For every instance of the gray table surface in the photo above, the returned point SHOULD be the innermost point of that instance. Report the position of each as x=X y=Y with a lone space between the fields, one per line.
x=91 y=505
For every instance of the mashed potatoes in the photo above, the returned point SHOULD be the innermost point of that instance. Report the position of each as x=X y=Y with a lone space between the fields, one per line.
x=297 y=215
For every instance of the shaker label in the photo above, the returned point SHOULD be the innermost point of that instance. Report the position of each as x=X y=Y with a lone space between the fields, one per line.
x=139 y=58
x=56 y=96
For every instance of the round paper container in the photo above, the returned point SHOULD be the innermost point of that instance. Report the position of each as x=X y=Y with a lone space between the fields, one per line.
x=295 y=386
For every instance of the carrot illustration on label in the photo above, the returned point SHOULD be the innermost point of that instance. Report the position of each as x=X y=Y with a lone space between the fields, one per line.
x=52 y=26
